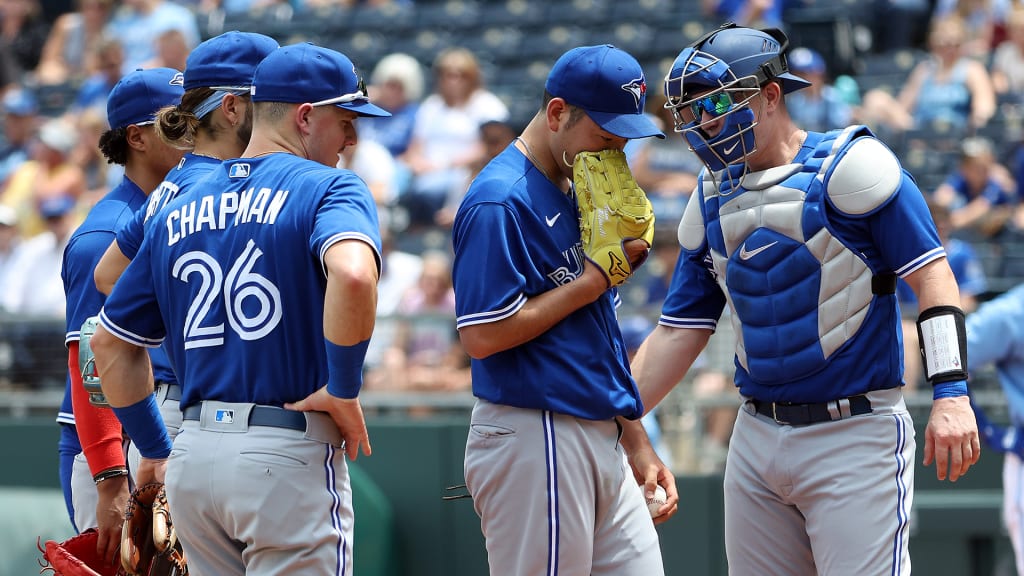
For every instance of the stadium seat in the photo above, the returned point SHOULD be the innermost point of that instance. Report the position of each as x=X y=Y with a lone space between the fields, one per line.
x=393 y=18
x=578 y=12
x=513 y=13
x=551 y=41
x=450 y=15
x=633 y=37
x=364 y=48
x=499 y=44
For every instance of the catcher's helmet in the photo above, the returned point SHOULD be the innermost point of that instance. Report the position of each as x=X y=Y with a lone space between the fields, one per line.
x=750 y=52
x=720 y=74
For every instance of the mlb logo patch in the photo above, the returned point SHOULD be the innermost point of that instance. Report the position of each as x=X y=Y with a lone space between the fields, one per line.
x=224 y=416
x=239 y=171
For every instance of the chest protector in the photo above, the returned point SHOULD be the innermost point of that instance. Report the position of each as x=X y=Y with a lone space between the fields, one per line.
x=797 y=292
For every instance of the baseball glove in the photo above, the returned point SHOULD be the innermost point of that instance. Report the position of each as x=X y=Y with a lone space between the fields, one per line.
x=149 y=546
x=613 y=209
x=76 y=556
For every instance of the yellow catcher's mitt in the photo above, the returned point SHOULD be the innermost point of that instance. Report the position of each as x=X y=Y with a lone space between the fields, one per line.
x=149 y=546
x=613 y=209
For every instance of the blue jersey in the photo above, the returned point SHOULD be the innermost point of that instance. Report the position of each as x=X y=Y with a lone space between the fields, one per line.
x=995 y=336
x=516 y=236
x=798 y=269
x=84 y=250
x=190 y=169
x=232 y=275
x=967 y=269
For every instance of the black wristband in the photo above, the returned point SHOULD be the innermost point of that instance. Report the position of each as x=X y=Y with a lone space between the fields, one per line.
x=110 y=473
x=954 y=364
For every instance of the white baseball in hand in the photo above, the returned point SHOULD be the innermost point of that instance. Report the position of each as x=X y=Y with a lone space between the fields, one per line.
x=657 y=501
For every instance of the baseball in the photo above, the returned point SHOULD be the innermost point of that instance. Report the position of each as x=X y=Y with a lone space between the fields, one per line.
x=657 y=501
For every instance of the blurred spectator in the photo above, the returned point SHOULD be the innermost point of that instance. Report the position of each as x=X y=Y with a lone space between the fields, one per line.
x=820 y=107
x=949 y=87
x=238 y=6
x=138 y=23
x=23 y=32
x=660 y=265
x=753 y=13
x=898 y=24
x=984 y=22
x=374 y=164
x=37 y=289
x=172 y=50
x=109 y=57
x=49 y=173
x=399 y=273
x=70 y=49
x=9 y=241
x=396 y=86
x=980 y=192
x=1008 y=61
x=495 y=135
x=100 y=176
x=666 y=168
x=426 y=353
x=21 y=120
x=970 y=279
x=446 y=135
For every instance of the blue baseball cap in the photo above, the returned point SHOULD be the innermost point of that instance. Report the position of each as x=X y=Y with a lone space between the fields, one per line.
x=305 y=72
x=803 y=60
x=228 y=60
x=138 y=96
x=609 y=85
x=56 y=206
x=20 y=102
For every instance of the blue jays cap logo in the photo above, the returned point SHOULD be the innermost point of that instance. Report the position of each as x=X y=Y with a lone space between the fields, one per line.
x=177 y=80
x=638 y=88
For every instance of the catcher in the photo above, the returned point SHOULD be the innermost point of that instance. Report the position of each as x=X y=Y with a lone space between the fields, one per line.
x=148 y=546
x=535 y=303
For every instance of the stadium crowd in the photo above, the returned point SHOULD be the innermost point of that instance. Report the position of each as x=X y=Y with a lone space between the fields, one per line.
x=941 y=81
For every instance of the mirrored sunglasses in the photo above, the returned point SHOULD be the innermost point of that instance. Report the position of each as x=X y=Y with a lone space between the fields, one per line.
x=716 y=104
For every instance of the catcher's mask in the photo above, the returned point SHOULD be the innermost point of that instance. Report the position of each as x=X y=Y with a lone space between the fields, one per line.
x=719 y=75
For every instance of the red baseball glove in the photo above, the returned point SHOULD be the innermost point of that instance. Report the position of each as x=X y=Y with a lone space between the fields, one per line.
x=76 y=556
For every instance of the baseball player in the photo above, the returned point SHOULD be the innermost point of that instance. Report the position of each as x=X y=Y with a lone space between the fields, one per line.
x=543 y=462
x=803 y=234
x=234 y=276
x=99 y=481
x=995 y=337
x=213 y=121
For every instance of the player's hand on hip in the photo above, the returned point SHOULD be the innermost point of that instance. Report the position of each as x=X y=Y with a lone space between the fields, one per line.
x=951 y=438
x=113 y=498
x=650 y=472
x=347 y=415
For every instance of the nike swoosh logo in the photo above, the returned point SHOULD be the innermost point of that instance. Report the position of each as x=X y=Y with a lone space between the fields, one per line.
x=745 y=255
x=551 y=221
x=729 y=150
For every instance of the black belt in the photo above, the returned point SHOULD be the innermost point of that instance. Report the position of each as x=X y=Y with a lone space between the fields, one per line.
x=802 y=414
x=261 y=416
x=173 y=390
